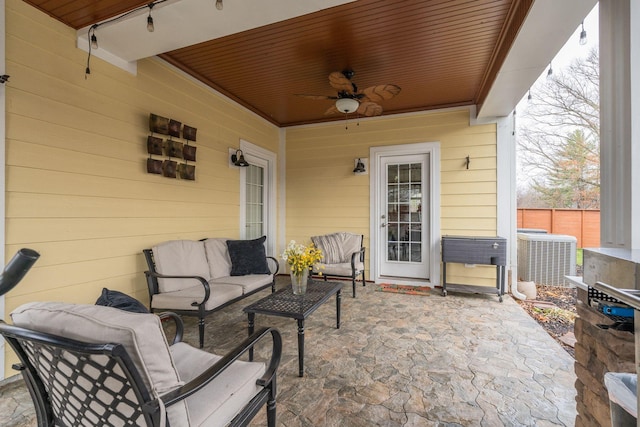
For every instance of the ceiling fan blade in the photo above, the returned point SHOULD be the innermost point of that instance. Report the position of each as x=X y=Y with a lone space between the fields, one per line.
x=369 y=109
x=339 y=82
x=302 y=95
x=381 y=92
x=332 y=110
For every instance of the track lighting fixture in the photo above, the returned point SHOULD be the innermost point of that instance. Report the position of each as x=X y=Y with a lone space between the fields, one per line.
x=583 y=35
x=219 y=5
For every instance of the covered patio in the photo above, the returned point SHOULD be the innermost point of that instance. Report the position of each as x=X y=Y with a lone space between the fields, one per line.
x=76 y=190
x=467 y=360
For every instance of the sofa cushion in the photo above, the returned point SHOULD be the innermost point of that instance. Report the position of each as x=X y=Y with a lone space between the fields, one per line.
x=350 y=243
x=182 y=299
x=226 y=395
x=180 y=258
x=248 y=257
x=249 y=283
x=218 y=257
x=140 y=334
x=338 y=247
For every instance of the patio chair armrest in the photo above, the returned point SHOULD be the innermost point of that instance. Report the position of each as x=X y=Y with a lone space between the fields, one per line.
x=214 y=371
x=202 y=280
x=357 y=256
x=275 y=263
x=169 y=315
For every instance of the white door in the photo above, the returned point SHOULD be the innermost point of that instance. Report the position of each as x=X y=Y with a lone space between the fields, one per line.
x=403 y=239
x=257 y=195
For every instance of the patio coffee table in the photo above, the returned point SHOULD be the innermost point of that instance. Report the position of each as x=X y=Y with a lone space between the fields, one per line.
x=284 y=303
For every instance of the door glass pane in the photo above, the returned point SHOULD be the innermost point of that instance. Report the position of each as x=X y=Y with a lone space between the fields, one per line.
x=254 y=202
x=404 y=212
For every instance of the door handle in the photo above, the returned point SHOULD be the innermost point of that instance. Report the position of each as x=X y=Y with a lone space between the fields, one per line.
x=383 y=225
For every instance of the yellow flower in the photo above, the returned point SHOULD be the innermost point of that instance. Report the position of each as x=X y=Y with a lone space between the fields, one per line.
x=301 y=257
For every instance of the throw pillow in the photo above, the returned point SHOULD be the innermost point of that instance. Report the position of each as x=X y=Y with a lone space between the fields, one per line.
x=331 y=247
x=248 y=257
x=120 y=300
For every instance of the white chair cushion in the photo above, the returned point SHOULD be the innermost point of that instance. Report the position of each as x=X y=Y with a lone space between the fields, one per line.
x=350 y=243
x=224 y=397
x=342 y=269
x=141 y=335
x=181 y=300
x=180 y=258
x=218 y=257
x=249 y=283
x=338 y=247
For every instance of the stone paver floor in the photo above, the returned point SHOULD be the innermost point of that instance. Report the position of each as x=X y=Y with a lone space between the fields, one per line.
x=399 y=360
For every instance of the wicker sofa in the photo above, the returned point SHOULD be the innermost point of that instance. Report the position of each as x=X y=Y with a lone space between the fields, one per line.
x=198 y=278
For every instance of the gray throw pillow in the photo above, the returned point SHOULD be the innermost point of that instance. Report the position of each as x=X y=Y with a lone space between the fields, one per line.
x=248 y=257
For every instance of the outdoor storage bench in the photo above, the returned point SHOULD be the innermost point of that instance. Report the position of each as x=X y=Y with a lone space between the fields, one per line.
x=197 y=278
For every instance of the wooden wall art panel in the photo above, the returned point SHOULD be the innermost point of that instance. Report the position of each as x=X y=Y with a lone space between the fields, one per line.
x=171 y=148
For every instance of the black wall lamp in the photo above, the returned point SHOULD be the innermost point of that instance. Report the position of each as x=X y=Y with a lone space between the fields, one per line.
x=360 y=167
x=238 y=159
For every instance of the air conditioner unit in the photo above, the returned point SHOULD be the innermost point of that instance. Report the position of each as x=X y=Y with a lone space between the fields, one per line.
x=546 y=258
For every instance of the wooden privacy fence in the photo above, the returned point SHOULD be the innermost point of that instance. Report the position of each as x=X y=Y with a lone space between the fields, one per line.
x=583 y=224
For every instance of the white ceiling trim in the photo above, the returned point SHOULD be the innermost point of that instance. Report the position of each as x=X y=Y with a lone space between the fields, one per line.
x=546 y=29
x=181 y=23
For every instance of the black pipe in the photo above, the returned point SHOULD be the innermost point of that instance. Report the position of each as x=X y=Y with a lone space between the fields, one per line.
x=15 y=270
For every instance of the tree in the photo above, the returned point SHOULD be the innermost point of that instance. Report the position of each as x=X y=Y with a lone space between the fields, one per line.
x=559 y=140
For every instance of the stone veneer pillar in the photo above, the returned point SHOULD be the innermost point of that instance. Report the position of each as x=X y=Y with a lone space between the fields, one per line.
x=598 y=350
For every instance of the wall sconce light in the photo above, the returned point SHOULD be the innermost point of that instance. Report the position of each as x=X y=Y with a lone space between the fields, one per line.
x=361 y=166
x=238 y=159
x=219 y=5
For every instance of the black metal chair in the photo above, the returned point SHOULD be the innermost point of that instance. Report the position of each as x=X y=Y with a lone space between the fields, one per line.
x=343 y=256
x=75 y=382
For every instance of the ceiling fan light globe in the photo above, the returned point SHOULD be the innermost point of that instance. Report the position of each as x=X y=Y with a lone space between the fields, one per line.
x=347 y=105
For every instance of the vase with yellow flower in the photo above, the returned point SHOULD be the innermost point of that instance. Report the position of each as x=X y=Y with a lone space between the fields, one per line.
x=300 y=259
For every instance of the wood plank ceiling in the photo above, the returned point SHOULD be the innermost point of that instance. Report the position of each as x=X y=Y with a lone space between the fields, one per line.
x=442 y=53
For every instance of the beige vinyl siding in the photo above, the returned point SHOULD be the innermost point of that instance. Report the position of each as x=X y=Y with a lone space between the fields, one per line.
x=77 y=190
x=323 y=194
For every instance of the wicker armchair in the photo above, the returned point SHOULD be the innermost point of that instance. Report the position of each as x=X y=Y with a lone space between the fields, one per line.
x=104 y=366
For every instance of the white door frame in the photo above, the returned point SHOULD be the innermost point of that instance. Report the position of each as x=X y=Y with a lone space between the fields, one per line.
x=2 y=174
x=376 y=153
x=266 y=159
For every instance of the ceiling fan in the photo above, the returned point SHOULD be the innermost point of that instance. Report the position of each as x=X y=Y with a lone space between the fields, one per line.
x=350 y=100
